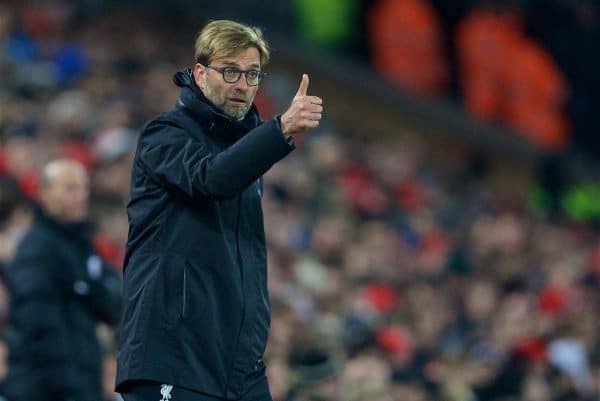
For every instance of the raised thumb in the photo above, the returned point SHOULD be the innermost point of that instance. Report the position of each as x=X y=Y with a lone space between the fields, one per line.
x=303 y=86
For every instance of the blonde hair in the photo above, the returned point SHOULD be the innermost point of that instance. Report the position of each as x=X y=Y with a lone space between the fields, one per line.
x=223 y=38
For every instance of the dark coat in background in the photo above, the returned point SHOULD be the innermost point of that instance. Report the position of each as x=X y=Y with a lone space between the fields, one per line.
x=60 y=289
x=196 y=311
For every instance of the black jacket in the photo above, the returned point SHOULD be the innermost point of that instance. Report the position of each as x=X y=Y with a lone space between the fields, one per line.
x=60 y=289
x=197 y=311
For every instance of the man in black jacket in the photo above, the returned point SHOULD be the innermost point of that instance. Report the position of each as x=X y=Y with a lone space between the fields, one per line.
x=60 y=289
x=197 y=313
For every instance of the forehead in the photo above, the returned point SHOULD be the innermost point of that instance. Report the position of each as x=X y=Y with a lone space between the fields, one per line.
x=68 y=176
x=249 y=57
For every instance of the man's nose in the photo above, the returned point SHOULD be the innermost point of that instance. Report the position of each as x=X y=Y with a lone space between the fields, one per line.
x=241 y=84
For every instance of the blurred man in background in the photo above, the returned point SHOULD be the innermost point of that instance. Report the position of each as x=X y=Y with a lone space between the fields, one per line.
x=60 y=289
x=197 y=311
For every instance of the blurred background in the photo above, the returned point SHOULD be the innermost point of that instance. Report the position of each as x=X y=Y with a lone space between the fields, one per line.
x=436 y=238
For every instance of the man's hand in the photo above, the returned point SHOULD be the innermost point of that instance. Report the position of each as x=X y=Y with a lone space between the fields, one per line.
x=304 y=113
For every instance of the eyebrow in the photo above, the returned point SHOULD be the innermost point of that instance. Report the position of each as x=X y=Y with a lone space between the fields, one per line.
x=234 y=64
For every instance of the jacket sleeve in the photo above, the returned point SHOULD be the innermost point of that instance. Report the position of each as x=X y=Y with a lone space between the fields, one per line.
x=179 y=160
x=38 y=313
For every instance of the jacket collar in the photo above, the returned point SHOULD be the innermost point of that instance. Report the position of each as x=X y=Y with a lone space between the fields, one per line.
x=78 y=231
x=193 y=102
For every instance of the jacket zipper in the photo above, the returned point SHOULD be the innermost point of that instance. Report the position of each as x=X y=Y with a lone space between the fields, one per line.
x=237 y=234
x=237 y=238
x=184 y=293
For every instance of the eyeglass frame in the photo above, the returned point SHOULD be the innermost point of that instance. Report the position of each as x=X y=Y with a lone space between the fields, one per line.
x=261 y=74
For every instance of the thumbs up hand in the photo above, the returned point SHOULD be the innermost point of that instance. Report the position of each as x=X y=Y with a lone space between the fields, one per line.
x=304 y=113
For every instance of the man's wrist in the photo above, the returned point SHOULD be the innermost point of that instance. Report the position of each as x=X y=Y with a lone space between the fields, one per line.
x=289 y=139
x=278 y=124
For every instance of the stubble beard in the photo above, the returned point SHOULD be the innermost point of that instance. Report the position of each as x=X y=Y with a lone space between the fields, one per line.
x=235 y=112
x=219 y=100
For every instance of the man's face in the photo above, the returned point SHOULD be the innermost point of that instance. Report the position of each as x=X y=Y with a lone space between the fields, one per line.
x=236 y=98
x=65 y=196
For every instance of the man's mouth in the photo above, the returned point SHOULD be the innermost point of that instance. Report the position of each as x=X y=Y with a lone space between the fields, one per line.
x=237 y=100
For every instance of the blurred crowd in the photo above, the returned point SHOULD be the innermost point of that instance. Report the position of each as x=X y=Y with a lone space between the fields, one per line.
x=395 y=274
x=529 y=65
x=518 y=63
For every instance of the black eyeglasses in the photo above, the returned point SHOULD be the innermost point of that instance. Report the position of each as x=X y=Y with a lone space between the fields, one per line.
x=231 y=75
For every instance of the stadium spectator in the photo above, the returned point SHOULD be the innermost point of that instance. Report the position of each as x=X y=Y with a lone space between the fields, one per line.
x=59 y=291
x=405 y=38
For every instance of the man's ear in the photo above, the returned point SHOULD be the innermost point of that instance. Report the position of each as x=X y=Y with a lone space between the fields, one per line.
x=200 y=75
